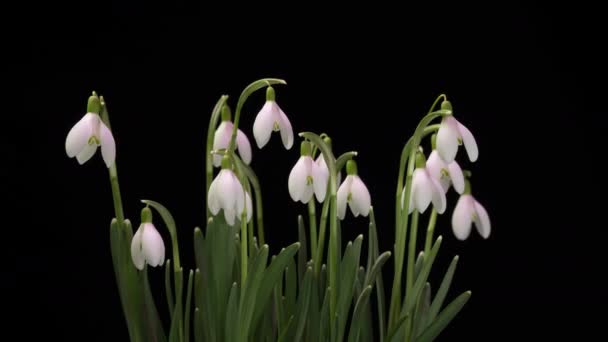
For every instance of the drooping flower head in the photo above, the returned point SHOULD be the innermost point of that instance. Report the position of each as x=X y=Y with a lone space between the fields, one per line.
x=446 y=174
x=88 y=134
x=271 y=118
x=147 y=246
x=307 y=177
x=222 y=137
x=226 y=192
x=424 y=190
x=467 y=212
x=451 y=134
x=354 y=192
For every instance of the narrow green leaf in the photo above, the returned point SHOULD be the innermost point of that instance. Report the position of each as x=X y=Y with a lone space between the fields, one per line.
x=188 y=307
x=290 y=287
x=443 y=290
x=324 y=319
x=271 y=276
x=421 y=314
x=346 y=282
x=412 y=298
x=314 y=312
x=445 y=317
x=377 y=268
x=303 y=251
x=303 y=305
x=285 y=333
x=379 y=282
x=248 y=298
x=174 y=332
x=198 y=329
x=398 y=335
x=418 y=265
x=168 y=290
x=359 y=314
x=232 y=326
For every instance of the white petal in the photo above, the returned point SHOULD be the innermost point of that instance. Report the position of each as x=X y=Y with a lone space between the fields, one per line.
x=243 y=146
x=482 y=221
x=320 y=178
x=447 y=139
x=434 y=164
x=297 y=178
x=221 y=139
x=239 y=191
x=307 y=194
x=264 y=123
x=108 y=145
x=469 y=142
x=422 y=190
x=213 y=199
x=438 y=196
x=456 y=176
x=462 y=217
x=342 y=196
x=79 y=135
x=361 y=199
x=227 y=191
x=229 y=215
x=87 y=152
x=286 y=129
x=248 y=206
x=137 y=254
x=153 y=245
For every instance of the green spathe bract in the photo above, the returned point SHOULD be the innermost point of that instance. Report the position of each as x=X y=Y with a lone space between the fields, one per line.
x=237 y=290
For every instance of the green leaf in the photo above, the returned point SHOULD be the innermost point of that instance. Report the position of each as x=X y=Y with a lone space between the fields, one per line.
x=290 y=287
x=373 y=236
x=285 y=334
x=412 y=298
x=303 y=305
x=358 y=314
x=445 y=317
x=248 y=298
x=398 y=335
x=199 y=335
x=188 y=306
x=232 y=326
x=176 y=322
x=346 y=283
x=443 y=289
x=171 y=226
x=313 y=313
x=324 y=318
x=418 y=265
x=302 y=252
x=375 y=272
x=271 y=276
x=421 y=315
x=168 y=290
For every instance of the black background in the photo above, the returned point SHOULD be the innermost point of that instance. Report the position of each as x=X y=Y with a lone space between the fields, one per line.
x=522 y=76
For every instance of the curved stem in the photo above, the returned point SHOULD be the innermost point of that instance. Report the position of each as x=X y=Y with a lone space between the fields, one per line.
x=411 y=257
x=113 y=171
x=321 y=244
x=257 y=192
x=429 y=232
x=215 y=116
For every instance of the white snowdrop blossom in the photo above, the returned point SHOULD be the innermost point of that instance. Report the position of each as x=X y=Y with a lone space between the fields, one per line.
x=88 y=134
x=221 y=140
x=354 y=192
x=147 y=246
x=271 y=118
x=424 y=190
x=451 y=134
x=446 y=174
x=307 y=177
x=467 y=212
x=226 y=192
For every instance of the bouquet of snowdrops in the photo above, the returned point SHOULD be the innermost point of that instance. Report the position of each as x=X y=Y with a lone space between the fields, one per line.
x=316 y=289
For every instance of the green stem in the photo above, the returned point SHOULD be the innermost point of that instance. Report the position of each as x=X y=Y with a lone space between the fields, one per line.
x=118 y=210
x=322 y=234
x=243 y=249
x=215 y=116
x=330 y=160
x=257 y=192
x=429 y=232
x=312 y=218
x=411 y=257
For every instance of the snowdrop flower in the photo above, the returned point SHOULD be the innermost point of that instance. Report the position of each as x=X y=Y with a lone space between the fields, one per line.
x=271 y=118
x=424 y=190
x=307 y=177
x=226 y=192
x=354 y=192
x=89 y=133
x=147 y=246
x=446 y=174
x=222 y=136
x=451 y=134
x=467 y=211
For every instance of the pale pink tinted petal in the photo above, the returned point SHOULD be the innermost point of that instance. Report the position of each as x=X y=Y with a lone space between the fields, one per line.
x=342 y=196
x=319 y=176
x=226 y=189
x=469 y=142
x=87 y=152
x=456 y=176
x=213 y=199
x=297 y=179
x=438 y=196
x=482 y=221
x=462 y=217
x=229 y=215
x=137 y=254
x=447 y=139
x=221 y=139
x=79 y=135
x=153 y=245
x=239 y=195
x=361 y=199
x=244 y=147
x=108 y=145
x=286 y=129
x=248 y=206
x=422 y=190
x=434 y=164
x=307 y=194
x=263 y=124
